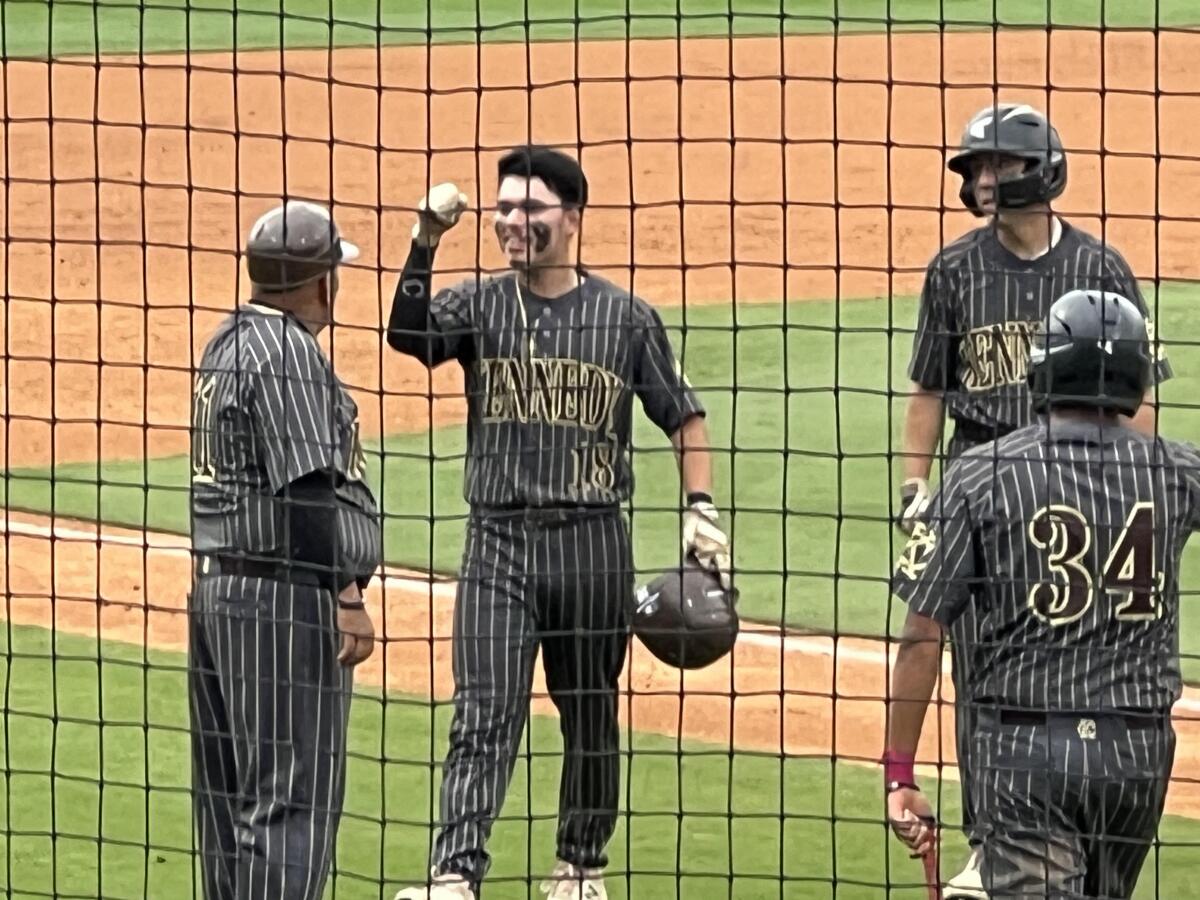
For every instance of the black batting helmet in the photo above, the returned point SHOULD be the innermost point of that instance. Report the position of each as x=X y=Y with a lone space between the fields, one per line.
x=1013 y=129
x=685 y=616
x=1093 y=350
x=294 y=244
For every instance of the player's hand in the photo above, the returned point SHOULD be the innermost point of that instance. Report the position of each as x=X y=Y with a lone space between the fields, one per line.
x=914 y=500
x=437 y=213
x=704 y=539
x=355 y=626
x=911 y=819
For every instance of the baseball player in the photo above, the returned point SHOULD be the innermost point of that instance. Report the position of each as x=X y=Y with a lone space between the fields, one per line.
x=1065 y=538
x=285 y=535
x=553 y=357
x=983 y=297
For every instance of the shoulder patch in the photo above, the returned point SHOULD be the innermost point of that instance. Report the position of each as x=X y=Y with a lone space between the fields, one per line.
x=917 y=553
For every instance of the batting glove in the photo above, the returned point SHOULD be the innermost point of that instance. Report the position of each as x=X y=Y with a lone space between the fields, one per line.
x=914 y=500
x=437 y=213
x=704 y=539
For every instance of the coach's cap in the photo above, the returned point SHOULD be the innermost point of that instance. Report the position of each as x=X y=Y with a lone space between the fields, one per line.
x=294 y=244
x=561 y=173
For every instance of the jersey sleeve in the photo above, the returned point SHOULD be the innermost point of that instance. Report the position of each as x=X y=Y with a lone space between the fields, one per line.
x=1186 y=459
x=295 y=407
x=935 y=345
x=1119 y=278
x=937 y=566
x=453 y=310
x=659 y=382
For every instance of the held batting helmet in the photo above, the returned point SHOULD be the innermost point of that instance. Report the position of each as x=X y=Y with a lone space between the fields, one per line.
x=685 y=617
x=1013 y=129
x=294 y=244
x=1093 y=350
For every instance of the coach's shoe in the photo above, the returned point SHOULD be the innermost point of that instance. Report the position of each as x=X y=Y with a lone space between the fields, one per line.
x=569 y=882
x=967 y=884
x=441 y=887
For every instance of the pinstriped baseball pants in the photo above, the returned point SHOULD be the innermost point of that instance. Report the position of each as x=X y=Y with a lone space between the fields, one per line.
x=1069 y=809
x=565 y=586
x=269 y=706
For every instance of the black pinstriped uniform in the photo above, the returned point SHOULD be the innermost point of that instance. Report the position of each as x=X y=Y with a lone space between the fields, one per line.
x=550 y=389
x=269 y=701
x=979 y=308
x=1065 y=540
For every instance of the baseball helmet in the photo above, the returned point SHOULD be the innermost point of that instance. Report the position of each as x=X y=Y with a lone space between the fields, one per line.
x=294 y=244
x=1093 y=350
x=1013 y=129
x=686 y=617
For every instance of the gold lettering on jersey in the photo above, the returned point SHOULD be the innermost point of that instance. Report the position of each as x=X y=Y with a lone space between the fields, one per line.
x=1157 y=351
x=995 y=355
x=356 y=468
x=550 y=390
x=203 y=438
x=917 y=552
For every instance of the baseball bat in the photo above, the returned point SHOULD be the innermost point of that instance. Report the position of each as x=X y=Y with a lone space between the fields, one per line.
x=932 y=882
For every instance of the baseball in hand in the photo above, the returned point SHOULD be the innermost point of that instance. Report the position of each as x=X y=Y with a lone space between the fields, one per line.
x=438 y=212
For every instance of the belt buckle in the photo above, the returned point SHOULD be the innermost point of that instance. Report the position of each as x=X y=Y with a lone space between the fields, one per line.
x=1086 y=729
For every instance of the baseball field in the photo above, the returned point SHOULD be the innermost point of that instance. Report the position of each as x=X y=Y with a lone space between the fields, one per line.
x=774 y=184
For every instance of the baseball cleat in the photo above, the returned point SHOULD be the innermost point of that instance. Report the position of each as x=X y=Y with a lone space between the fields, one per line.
x=569 y=882
x=967 y=884
x=441 y=887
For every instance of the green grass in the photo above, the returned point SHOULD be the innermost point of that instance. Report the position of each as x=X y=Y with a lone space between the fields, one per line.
x=95 y=798
x=40 y=28
x=808 y=484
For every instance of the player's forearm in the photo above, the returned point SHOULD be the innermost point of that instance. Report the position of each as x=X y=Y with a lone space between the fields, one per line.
x=694 y=454
x=923 y=422
x=410 y=329
x=914 y=677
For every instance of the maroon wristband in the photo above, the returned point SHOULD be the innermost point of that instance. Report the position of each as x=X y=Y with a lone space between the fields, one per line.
x=899 y=767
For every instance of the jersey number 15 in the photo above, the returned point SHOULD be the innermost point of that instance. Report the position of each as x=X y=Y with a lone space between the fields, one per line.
x=1064 y=536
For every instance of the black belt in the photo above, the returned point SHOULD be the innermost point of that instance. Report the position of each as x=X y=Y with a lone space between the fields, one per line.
x=211 y=565
x=1133 y=718
x=977 y=433
x=544 y=514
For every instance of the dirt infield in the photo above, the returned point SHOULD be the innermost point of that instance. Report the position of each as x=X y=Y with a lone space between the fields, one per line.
x=719 y=169
x=772 y=694
x=692 y=147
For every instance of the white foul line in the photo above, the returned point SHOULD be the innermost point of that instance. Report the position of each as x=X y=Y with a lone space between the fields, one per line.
x=785 y=644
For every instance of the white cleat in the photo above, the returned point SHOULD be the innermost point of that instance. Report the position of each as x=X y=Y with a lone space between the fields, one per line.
x=967 y=884
x=440 y=887
x=568 y=882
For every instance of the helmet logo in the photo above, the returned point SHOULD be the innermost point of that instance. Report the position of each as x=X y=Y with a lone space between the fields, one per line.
x=646 y=602
x=979 y=126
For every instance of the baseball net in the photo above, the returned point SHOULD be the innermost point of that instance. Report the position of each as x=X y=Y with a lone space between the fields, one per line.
x=777 y=194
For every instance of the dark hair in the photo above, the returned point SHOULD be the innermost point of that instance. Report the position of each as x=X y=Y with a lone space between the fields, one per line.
x=561 y=173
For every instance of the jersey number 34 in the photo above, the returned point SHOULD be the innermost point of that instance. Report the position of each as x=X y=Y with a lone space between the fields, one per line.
x=1064 y=536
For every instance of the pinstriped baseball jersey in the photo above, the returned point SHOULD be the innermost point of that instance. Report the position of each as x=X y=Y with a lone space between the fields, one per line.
x=980 y=306
x=268 y=410
x=550 y=387
x=1067 y=543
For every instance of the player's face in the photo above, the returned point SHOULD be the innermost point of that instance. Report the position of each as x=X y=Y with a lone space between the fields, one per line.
x=986 y=172
x=531 y=224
